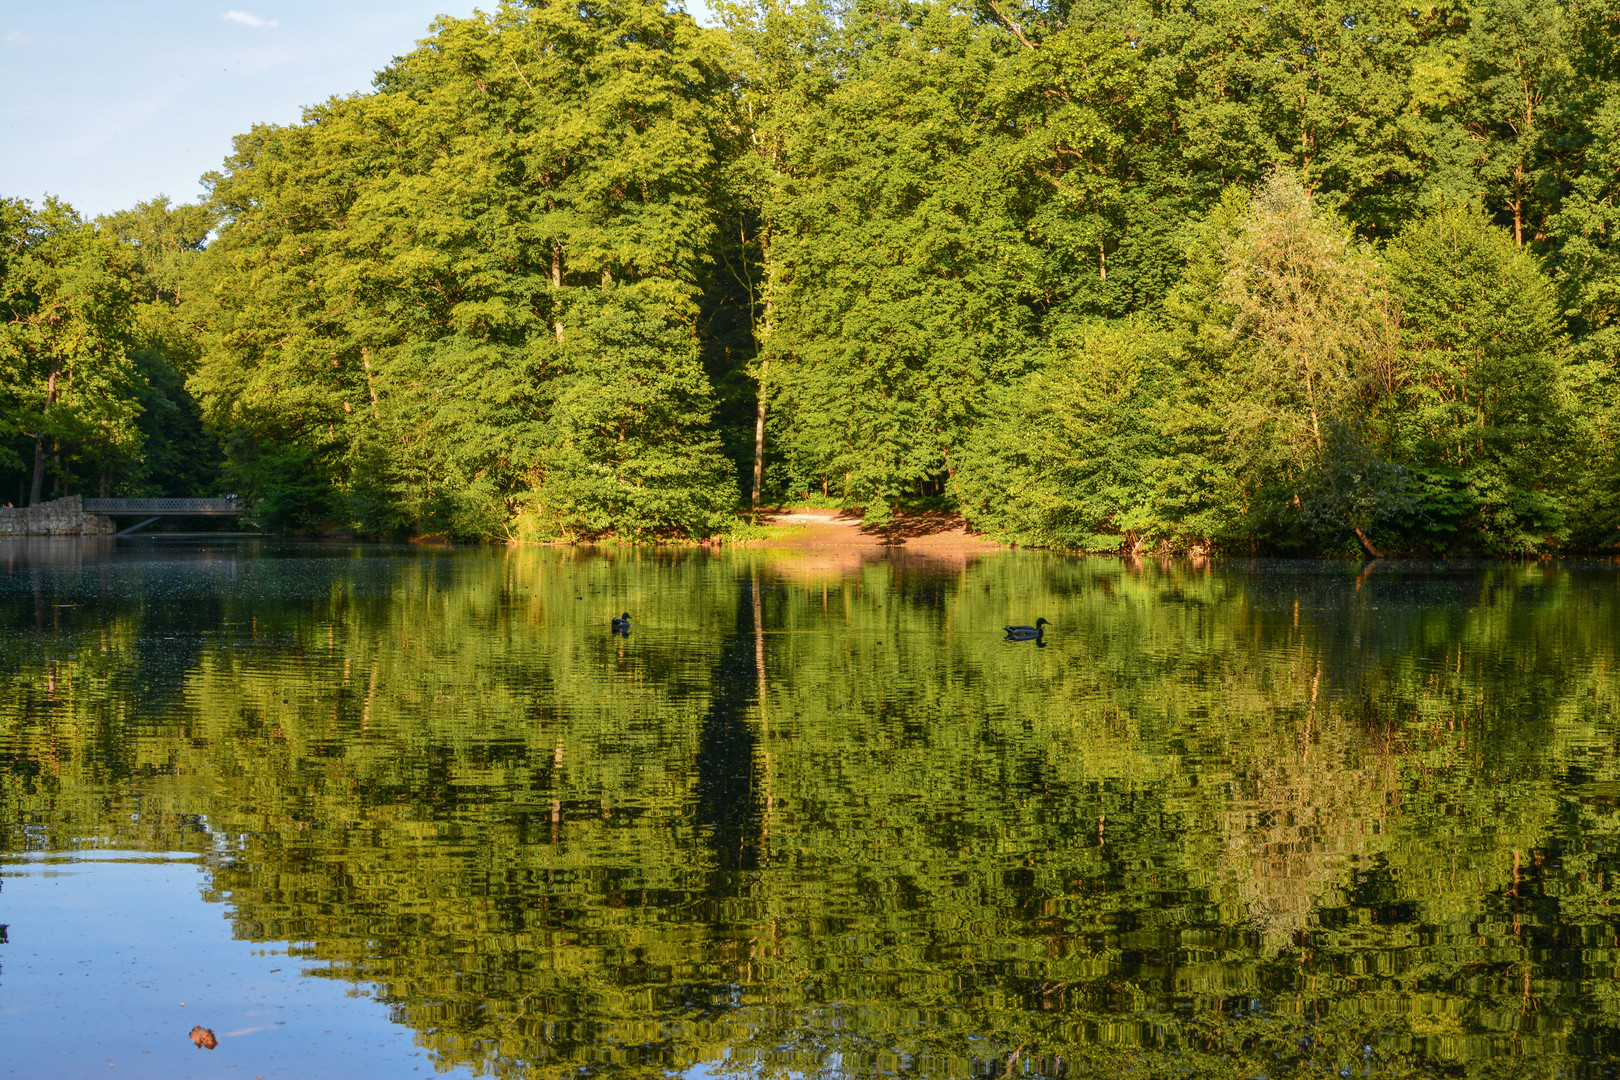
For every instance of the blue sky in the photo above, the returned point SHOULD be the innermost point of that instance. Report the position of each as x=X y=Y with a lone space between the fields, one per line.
x=106 y=104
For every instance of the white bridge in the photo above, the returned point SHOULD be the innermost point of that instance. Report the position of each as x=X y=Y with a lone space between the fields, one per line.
x=154 y=509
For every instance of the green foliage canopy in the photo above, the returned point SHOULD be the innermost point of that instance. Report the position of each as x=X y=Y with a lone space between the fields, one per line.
x=1365 y=263
x=399 y=277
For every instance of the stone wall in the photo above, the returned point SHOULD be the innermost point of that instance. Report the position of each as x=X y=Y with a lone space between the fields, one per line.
x=62 y=517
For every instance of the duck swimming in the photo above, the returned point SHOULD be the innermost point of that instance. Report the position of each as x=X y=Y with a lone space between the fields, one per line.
x=621 y=624
x=1027 y=633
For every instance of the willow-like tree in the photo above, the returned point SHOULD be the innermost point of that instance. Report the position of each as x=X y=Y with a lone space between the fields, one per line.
x=1285 y=318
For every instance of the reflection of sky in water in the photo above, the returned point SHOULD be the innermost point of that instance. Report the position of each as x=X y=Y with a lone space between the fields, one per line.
x=104 y=949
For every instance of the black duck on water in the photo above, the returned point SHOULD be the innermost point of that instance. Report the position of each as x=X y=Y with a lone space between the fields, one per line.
x=1027 y=633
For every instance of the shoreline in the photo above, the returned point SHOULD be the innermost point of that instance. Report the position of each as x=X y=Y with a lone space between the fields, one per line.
x=919 y=535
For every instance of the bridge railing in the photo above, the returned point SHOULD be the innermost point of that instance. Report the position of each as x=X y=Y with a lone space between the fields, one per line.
x=176 y=507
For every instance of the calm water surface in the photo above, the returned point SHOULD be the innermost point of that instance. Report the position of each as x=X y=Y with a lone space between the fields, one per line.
x=366 y=811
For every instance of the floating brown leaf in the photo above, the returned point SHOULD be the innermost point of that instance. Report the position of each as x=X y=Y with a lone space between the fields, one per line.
x=204 y=1037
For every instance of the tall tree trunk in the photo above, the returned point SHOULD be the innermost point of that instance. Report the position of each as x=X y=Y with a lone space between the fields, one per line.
x=39 y=440
x=761 y=337
x=556 y=281
x=759 y=440
x=371 y=387
x=39 y=470
x=1524 y=133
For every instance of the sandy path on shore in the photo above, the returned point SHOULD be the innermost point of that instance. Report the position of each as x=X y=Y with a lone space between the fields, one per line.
x=835 y=541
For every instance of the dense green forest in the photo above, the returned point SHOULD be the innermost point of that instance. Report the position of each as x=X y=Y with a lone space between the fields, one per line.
x=1292 y=277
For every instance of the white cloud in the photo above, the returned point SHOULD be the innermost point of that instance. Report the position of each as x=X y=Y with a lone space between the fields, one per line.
x=248 y=20
x=15 y=35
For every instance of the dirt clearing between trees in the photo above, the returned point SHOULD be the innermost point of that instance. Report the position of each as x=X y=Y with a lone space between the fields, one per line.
x=836 y=540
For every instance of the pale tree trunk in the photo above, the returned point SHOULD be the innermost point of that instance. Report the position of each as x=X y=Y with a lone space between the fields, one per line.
x=761 y=337
x=556 y=280
x=1518 y=206
x=1310 y=400
x=759 y=439
x=371 y=387
x=1524 y=132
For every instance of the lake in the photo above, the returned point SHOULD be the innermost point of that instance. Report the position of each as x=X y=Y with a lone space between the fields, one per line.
x=368 y=810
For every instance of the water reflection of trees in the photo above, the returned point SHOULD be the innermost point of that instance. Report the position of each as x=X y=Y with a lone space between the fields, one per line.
x=1249 y=819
